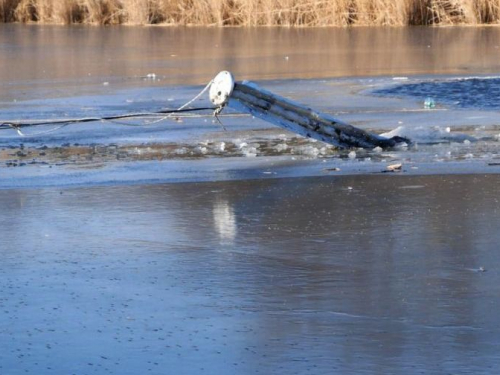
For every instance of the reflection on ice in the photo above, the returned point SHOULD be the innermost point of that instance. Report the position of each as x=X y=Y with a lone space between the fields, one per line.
x=224 y=221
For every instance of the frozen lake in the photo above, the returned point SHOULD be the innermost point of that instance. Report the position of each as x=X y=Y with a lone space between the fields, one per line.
x=377 y=79
x=352 y=274
x=180 y=248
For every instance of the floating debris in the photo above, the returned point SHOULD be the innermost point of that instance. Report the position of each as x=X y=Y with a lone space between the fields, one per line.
x=332 y=169
x=394 y=167
x=429 y=103
x=480 y=269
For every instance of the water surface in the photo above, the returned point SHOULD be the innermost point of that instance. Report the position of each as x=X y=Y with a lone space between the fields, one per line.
x=477 y=93
x=59 y=60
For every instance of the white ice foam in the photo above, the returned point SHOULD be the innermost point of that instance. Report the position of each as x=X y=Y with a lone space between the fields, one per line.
x=308 y=150
x=280 y=147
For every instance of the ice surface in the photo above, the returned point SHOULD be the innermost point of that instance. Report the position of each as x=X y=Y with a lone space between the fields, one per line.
x=282 y=276
x=440 y=137
x=434 y=134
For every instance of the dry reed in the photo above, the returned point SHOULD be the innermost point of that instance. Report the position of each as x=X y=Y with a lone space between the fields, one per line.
x=253 y=12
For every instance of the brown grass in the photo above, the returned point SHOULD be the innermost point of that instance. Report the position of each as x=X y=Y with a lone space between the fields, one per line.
x=253 y=12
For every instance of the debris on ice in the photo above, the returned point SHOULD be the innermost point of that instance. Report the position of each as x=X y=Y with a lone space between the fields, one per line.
x=394 y=167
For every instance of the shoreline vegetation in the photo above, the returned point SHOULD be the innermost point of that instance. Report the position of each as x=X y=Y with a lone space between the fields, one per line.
x=300 y=13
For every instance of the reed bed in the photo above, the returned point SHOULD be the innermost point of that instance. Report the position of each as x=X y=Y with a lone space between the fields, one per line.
x=253 y=12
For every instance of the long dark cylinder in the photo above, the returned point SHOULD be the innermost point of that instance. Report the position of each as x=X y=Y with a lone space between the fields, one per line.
x=250 y=98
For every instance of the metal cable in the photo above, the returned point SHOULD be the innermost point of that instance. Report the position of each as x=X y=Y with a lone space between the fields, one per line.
x=18 y=125
x=21 y=124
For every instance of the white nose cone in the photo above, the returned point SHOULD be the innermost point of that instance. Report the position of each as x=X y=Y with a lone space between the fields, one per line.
x=221 y=88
